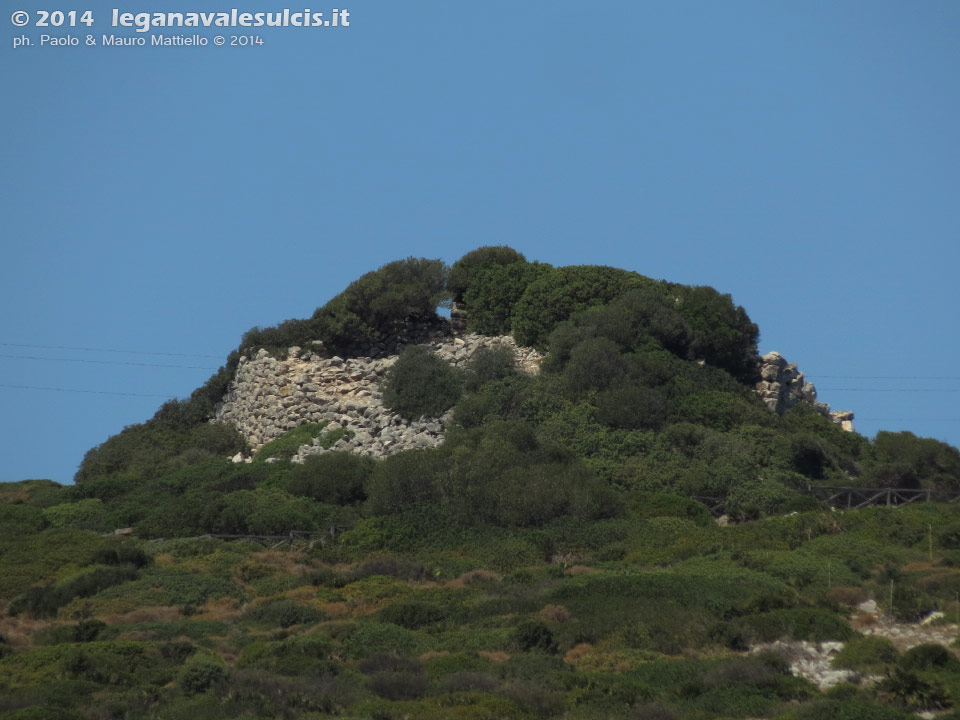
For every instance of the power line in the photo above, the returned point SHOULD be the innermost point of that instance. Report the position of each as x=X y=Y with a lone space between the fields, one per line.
x=85 y=349
x=889 y=390
x=890 y=377
x=907 y=419
x=90 y=392
x=108 y=362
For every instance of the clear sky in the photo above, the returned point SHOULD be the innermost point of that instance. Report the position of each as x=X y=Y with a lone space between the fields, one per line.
x=801 y=156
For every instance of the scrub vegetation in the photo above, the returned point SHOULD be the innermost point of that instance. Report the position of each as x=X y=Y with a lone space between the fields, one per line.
x=546 y=561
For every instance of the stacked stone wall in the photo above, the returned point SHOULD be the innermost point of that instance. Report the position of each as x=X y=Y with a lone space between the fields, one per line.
x=269 y=396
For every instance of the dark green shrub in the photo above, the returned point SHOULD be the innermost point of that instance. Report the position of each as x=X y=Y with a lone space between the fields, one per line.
x=45 y=600
x=902 y=459
x=594 y=364
x=295 y=655
x=631 y=407
x=403 y=480
x=200 y=675
x=755 y=497
x=398 y=685
x=164 y=443
x=376 y=637
x=466 y=681
x=910 y=691
x=534 y=698
x=390 y=566
x=372 y=307
x=494 y=294
x=929 y=656
x=533 y=635
x=652 y=711
x=263 y=512
x=412 y=614
x=488 y=365
x=336 y=478
x=283 y=612
x=911 y=604
x=464 y=272
x=389 y=662
x=723 y=334
x=122 y=554
x=559 y=293
x=847 y=709
x=87 y=630
x=420 y=383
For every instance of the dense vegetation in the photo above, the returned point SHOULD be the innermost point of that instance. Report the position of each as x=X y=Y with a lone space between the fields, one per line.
x=545 y=561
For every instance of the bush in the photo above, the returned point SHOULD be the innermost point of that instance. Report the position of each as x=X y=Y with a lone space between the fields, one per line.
x=373 y=306
x=869 y=654
x=412 y=614
x=377 y=637
x=492 y=298
x=488 y=365
x=403 y=480
x=200 y=674
x=930 y=656
x=533 y=635
x=83 y=515
x=594 y=364
x=121 y=554
x=560 y=292
x=420 y=383
x=631 y=407
x=464 y=271
x=45 y=600
x=799 y=624
x=336 y=478
x=911 y=604
x=723 y=333
x=904 y=460
x=398 y=685
x=283 y=612
x=907 y=690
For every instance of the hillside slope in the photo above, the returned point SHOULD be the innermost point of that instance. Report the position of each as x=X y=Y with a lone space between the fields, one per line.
x=297 y=542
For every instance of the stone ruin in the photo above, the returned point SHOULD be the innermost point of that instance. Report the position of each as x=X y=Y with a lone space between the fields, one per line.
x=782 y=386
x=269 y=396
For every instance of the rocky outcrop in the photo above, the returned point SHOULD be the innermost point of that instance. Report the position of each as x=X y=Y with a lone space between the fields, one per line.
x=269 y=396
x=782 y=386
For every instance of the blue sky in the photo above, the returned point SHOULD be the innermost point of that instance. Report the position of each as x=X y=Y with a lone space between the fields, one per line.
x=803 y=157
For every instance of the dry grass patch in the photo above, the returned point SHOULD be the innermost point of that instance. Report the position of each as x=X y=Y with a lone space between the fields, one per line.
x=470 y=578
x=19 y=630
x=555 y=613
x=497 y=656
x=159 y=613
x=223 y=609
x=433 y=654
x=577 y=652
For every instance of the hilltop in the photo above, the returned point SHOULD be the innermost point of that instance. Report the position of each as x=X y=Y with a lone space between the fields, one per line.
x=380 y=511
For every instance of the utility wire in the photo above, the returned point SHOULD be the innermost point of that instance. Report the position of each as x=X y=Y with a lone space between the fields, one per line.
x=889 y=377
x=90 y=392
x=880 y=390
x=108 y=362
x=907 y=419
x=85 y=349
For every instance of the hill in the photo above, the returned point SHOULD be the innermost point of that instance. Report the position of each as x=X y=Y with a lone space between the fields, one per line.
x=378 y=511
